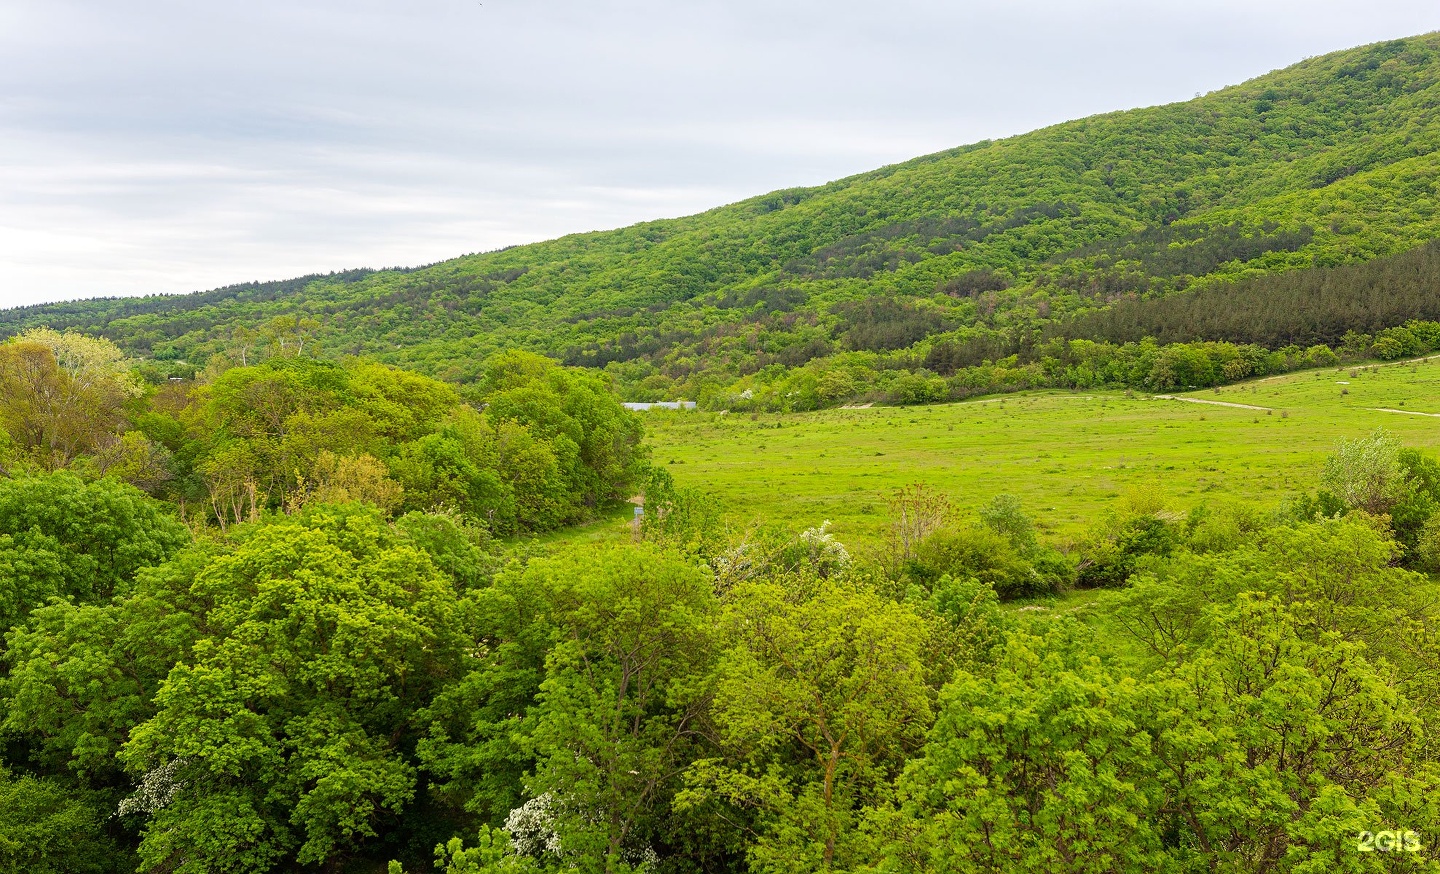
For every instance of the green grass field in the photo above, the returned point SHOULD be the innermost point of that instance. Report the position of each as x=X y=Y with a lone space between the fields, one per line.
x=1066 y=456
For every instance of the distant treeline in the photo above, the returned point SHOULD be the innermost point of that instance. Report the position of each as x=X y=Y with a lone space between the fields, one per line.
x=1303 y=307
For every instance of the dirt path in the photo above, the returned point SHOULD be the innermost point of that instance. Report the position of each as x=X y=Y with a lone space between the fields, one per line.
x=1357 y=367
x=1403 y=412
x=1212 y=403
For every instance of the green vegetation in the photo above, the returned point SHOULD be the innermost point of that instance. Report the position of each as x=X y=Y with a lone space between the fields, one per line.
x=269 y=606
x=280 y=619
x=1067 y=456
x=873 y=287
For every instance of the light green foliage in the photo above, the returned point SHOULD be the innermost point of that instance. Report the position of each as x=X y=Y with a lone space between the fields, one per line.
x=61 y=396
x=83 y=676
x=1342 y=568
x=1038 y=764
x=617 y=715
x=586 y=701
x=680 y=517
x=549 y=448
x=594 y=439
x=87 y=361
x=1279 y=745
x=1270 y=747
x=819 y=698
x=1366 y=473
x=64 y=538
x=265 y=429
x=1005 y=517
x=285 y=730
x=457 y=548
x=492 y=854
x=1428 y=552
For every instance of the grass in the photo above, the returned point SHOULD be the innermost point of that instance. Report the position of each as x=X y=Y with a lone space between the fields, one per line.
x=1067 y=456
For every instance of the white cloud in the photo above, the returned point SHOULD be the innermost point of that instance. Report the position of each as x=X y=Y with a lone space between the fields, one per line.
x=159 y=145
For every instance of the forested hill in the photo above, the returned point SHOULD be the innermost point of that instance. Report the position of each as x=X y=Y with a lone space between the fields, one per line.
x=1331 y=161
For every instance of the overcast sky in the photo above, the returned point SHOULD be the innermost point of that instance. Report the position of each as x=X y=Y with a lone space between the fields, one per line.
x=174 y=145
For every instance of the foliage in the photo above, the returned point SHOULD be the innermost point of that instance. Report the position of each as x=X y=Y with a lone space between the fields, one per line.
x=1366 y=473
x=1328 y=164
x=45 y=829
x=267 y=693
x=617 y=715
x=818 y=700
x=329 y=686
x=61 y=395
x=81 y=542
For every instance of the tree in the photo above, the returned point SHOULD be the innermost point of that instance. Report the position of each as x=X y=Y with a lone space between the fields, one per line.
x=339 y=479
x=1366 y=473
x=1040 y=764
x=1277 y=746
x=618 y=713
x=287 y=735
x=83 y=676
x=61 y=395
x=1004 y=516
x=916 y=512
x=819 y=697
x=82 y=542
x=46 y=829
x=595 y=439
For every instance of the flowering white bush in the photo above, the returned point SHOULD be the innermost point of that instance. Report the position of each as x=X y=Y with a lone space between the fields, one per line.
x=532 y=827
x=157 y=789
x=826 y=552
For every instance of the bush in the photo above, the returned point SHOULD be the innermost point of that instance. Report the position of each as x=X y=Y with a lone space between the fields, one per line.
x=982 y=554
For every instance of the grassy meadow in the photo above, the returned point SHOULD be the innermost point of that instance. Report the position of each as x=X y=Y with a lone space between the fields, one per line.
x=1067 y=456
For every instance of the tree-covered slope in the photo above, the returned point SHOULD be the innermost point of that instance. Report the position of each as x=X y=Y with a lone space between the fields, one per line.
x=1331 y=161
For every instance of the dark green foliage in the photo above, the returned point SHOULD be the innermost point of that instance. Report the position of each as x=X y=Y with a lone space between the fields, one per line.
x=881 y=324
x=48 y=829
x=1302 y=307
x=981 y=554
x=1112 y=554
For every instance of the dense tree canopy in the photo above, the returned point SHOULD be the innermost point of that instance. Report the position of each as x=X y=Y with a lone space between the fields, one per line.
x=352 y=666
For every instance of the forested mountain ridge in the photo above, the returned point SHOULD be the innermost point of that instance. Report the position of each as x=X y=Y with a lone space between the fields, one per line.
x=1327 y=162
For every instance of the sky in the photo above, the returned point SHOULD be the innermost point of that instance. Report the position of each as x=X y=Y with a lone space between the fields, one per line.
x=172 y=145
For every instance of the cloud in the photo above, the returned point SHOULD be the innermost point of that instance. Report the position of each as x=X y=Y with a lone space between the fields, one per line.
x=164 y=146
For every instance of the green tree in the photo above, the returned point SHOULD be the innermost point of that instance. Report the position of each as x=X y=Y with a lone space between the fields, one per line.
x=618 y=713
x=595 y=439
x=83 y=676
x=1366 y=473
x=82 y=542
x=1042 y=763
x=287 y=735
x=47 y=829
x=1277 y=746
x=819 y=698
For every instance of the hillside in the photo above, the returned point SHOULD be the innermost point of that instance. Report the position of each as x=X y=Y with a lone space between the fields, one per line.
x=1328 y=162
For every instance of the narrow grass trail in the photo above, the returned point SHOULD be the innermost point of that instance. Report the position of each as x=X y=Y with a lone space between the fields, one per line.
x=1066 y=456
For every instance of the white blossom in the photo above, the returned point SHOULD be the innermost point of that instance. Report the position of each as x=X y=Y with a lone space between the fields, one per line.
x=157 y=789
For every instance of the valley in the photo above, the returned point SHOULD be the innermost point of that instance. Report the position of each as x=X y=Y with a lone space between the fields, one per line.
x=1067 y=455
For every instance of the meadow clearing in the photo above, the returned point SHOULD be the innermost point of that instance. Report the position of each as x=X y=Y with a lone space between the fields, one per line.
x=1067 y=456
